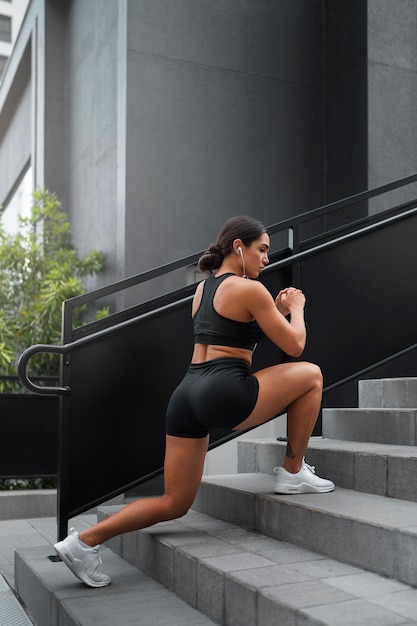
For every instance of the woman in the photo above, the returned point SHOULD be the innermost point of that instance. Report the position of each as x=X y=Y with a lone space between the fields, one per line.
x=230 y=315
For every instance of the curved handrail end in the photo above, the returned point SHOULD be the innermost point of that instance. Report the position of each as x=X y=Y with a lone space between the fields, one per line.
x=24 y=378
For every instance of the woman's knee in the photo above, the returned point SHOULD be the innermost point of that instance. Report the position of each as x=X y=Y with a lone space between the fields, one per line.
x=314 y=373
x=174 y=508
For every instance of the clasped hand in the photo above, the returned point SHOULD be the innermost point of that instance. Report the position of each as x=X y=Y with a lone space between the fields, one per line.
x=289 y=299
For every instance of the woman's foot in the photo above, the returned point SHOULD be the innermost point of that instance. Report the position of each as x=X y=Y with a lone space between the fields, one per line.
x=304 y=481
x=81 y=560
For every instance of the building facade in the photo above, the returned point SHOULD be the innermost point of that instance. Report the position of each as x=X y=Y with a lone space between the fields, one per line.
x=12 y=13
x=155 y=120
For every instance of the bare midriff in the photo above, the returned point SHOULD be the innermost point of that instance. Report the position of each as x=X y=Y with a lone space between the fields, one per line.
x=208 y=352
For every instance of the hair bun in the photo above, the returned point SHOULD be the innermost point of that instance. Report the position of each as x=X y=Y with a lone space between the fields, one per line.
x=211 y=259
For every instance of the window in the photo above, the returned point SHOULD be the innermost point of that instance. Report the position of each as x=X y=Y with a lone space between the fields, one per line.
x=5 y=28
x=3 y=61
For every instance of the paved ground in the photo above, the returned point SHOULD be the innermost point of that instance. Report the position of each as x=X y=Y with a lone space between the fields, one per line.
x=27 y=533
x=17 y=534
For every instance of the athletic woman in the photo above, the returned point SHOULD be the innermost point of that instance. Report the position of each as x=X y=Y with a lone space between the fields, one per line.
x=231 y=311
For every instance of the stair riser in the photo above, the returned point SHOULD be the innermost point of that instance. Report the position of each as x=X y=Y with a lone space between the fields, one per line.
x=27 y=503
x=388 y=393
x=396 y=427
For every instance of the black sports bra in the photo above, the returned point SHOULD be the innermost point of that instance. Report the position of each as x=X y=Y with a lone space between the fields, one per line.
x=212 y=328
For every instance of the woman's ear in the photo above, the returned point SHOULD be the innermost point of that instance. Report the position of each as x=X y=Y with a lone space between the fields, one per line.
x=237 y=246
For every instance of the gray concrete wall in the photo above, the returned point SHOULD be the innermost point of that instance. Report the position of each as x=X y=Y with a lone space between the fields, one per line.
x=224 y=112
x=392 y=88
x=54 y=90
x=91 y=127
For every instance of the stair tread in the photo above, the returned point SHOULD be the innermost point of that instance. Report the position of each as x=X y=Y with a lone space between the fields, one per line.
x=370 y=508
x=325 y=443
x=384 y=449
x=385 y=410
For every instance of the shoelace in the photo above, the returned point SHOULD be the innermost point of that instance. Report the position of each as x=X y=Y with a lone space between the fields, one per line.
x=312 y=468
x=99 y=560
x=94 y=573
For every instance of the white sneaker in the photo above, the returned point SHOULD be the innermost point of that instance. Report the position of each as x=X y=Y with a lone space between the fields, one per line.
x=305 y=481
x=83 y=562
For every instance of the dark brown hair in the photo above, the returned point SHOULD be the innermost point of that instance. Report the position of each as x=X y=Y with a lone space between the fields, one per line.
x=239 y=227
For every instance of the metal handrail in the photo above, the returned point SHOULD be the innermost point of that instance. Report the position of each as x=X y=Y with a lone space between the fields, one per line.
x=68 y=347
x=307 y=216
x=73 y=345
x=22 y=369
x=291 y=224
x=299 y=256
x=370 y=368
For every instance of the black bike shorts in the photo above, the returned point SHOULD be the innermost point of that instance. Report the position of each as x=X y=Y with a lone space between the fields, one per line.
x=216 y=394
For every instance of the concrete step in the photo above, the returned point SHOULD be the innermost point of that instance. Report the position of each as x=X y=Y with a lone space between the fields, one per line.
x=54 y=597
x=389 y=426
x=365 y=530
x=389 y=393
x=241 y=577
x=34 y=503
x=27 y=503
x=381 y=469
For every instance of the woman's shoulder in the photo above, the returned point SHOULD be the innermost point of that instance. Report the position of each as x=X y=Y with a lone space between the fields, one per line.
x=248 y=285
x=244 y=291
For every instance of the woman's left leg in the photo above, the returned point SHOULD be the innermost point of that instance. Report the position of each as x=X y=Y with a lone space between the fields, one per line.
x=297 y=387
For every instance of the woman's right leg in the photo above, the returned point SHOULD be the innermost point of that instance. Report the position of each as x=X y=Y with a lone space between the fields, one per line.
x=183 y=469
x=184 y=462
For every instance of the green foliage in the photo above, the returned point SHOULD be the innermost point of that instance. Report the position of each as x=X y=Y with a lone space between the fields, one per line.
x=39 y=269
x=13 y=484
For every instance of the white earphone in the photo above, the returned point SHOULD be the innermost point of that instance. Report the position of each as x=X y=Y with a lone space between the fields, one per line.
x=239 y=249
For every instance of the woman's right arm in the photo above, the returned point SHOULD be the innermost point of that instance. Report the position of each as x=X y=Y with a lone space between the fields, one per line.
x=288 y=334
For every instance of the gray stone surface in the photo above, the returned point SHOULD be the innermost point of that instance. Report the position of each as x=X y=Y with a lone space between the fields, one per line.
x=245 y=555
x=381 y=469
x=56 y=597
x=391 y=426
x=259 y=580
x=392 y=78
x=26 y=504
x=361 y=529
x=388 y=393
